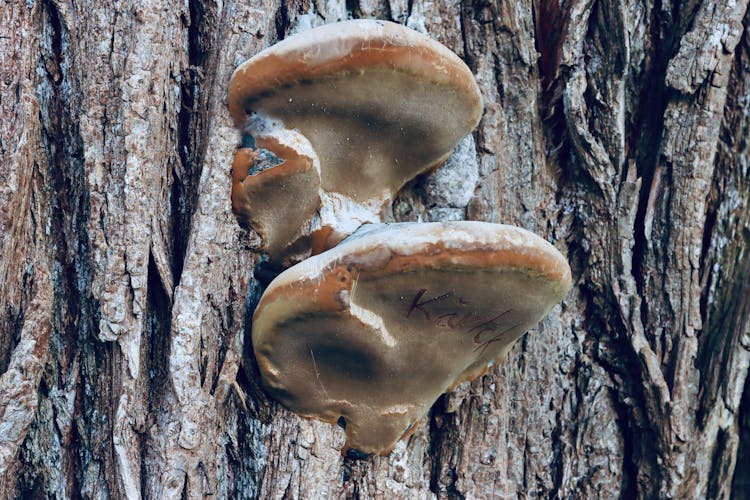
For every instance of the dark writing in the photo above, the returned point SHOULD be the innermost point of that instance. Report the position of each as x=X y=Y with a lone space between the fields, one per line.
x=453 y=320
x=484 y=331
x=417 y=305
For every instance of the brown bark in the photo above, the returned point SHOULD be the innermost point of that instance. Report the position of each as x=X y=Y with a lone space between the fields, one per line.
x=615 y=128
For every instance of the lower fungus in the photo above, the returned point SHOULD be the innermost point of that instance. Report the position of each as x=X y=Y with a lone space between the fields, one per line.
x=370 y=333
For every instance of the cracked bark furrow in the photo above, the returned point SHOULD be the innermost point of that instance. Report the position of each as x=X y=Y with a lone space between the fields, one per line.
x=724 y=348
x=26 y=294
x=725 y=269
x=194 y=441
x=119 y=64
x=20 y=157
x=690 y=134
x=25 y=273
x=676 y=217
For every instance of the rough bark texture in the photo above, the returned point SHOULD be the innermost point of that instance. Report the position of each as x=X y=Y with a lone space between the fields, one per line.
x=617 y=129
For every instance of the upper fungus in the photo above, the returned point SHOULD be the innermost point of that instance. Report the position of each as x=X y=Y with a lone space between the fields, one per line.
x=343 y=116
x=371 y=332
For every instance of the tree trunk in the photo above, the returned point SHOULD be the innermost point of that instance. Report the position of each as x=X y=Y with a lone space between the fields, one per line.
x=617 y=129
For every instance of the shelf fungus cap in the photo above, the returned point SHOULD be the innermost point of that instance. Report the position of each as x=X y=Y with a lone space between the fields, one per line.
x=378 y=103
x=371 y=332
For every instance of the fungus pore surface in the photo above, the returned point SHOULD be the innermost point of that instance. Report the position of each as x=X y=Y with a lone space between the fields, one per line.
x=374 y=330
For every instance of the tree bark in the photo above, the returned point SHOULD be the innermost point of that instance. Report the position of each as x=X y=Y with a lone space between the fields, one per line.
x=617 y=129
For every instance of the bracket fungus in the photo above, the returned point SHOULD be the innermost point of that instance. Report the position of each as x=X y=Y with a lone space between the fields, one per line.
x=343 y=116
x=371 y=332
